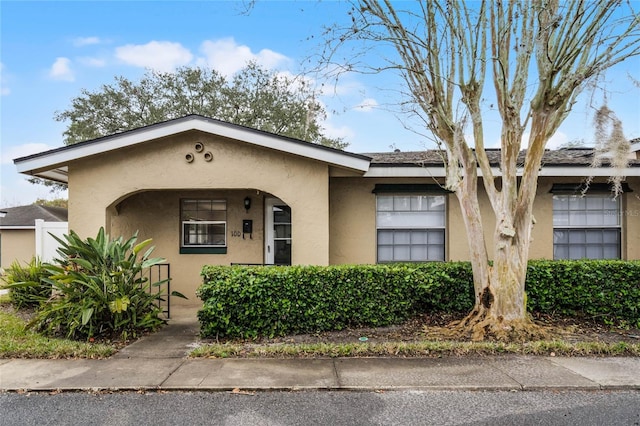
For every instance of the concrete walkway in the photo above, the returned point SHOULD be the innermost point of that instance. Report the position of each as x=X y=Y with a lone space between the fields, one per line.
x=159 y=362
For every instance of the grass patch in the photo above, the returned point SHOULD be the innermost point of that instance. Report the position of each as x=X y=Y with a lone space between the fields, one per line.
x=16 y=342
x=415 y=349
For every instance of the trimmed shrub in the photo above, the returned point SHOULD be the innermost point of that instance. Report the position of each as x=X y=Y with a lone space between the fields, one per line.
x=248 y=302
x=272 y=301
x=607 y=291
x=27 y=284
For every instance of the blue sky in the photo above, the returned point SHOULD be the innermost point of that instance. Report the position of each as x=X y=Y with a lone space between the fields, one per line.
x=51 y=50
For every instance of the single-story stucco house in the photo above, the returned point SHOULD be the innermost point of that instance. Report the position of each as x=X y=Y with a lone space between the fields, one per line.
x=19 y=226
x=210 y=192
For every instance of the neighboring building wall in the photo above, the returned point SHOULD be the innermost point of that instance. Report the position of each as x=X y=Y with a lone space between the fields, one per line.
x=18 y=244
x=160 y=165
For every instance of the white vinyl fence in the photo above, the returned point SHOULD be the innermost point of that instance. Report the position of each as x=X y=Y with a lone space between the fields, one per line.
x=46 y=245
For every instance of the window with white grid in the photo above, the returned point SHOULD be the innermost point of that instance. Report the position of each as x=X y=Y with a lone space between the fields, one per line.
x=204 y=223
x=586 y=227
x=410 y=228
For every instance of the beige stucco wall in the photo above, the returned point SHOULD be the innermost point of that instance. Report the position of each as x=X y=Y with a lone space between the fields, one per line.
x=156 y=214
x=160 y=165
x=333 y=219
x=631 y=221
x=17 y=244
x=353 y=221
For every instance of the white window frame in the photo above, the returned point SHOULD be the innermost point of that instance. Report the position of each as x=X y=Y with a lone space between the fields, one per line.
x=184 y=223
x=411 y=229
x=613 y=224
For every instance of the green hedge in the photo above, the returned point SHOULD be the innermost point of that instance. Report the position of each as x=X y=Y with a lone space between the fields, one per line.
x=607 y=291
x=270 y=301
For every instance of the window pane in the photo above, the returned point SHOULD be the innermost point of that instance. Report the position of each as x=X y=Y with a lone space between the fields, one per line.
x=419 y=237
x=419 y=253
x=385 y=253
x=196 y=233
x=385 y=237
x=402 y=203
x=282 y=231
x=403 y=237
x=577 y=237
x=204 y=222
x=609 y=203
x=560 y=202
x=576 y=252
x=403 y=219
x=403 y=223
x=594 y=237
x=401 y=253
x=385 y=203
x=611 y=252
x=282 y=214
x=577 y=202
x=595 y=218
x=594 y=202
x=437 y=203
x=436 y=237
x=594 y=252
x=282 y=252
x=578 y=218
x=560 y=236
x=560 y=252
x=436 y=252
x=611 y=218
x=611 y=236
x=419 y=203
x=560 y=218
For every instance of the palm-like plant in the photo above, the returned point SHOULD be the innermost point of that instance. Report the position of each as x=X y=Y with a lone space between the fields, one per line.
x=99 y=288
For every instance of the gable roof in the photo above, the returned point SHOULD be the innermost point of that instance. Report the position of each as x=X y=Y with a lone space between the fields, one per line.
x=52 y=164
x=24 y=217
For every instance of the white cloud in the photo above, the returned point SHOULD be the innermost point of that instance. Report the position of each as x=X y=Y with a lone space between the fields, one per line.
x=61 y=70
x=557 y=140
x=158 y=55
x=85 y=41
x=341 y=132
x=366 y=105
x=9 y=154
x=92 y=62
x=228 y=57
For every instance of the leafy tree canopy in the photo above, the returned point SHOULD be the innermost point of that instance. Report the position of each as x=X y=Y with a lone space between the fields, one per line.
x=254 y=97
x=56 y=202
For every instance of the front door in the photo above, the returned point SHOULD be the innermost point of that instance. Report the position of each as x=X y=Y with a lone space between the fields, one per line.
x=278 y=232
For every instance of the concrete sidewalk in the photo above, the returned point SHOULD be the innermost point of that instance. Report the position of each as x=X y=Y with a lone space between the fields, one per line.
x=159 y=362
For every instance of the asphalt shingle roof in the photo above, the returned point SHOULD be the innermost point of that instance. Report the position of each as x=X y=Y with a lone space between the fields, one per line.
x=27 y=215
x=561 y=157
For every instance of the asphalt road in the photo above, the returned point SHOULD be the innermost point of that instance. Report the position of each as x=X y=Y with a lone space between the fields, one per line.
x=323 y=408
